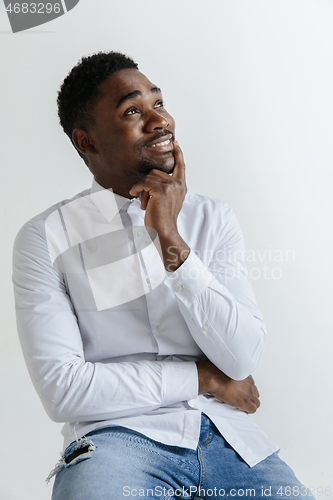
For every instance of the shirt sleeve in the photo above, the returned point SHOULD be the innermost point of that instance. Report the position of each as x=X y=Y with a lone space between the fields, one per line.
x=70 y=388
x=218 y=304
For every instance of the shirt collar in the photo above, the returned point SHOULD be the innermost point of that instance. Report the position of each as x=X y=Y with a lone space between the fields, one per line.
x=106 y=201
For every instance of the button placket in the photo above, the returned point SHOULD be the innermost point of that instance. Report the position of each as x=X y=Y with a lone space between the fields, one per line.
x=139 y=238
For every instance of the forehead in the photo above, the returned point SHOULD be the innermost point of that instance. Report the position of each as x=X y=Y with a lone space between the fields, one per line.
x=123 y=83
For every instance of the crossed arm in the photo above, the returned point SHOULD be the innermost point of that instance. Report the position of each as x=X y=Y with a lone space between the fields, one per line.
x=72 y=389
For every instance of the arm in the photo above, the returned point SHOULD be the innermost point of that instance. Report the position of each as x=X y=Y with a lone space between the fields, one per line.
x=72 y=389
x=217 y=301
x=219 y=308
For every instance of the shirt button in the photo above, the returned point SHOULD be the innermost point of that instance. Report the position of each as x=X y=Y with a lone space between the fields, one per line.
x=149 y=281
x=205 y=328
x=139 y=233
x=158 y=329
x=179 y=288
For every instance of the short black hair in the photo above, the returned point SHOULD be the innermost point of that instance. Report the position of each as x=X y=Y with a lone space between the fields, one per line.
x=80 y=89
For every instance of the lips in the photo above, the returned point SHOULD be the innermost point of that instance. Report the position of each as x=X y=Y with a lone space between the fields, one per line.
x=164 y=142
x=159 y=144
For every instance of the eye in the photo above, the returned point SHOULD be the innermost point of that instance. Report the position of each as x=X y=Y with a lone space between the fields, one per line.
x=131 y=111
x=159 y=104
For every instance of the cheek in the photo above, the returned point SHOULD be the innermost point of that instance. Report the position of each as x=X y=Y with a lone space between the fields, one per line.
x=119 y=143
x=129 y=136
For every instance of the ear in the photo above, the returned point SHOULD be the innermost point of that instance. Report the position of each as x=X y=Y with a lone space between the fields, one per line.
x=82 y=142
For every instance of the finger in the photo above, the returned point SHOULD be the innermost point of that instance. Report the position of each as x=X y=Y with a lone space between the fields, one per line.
x=255 y=401
x=158 y=174
x=151 y=180
x=145 y=185
x=251 y=405
x=256 y=392
x=144 y=199
x=251 y=408
x=179 y=168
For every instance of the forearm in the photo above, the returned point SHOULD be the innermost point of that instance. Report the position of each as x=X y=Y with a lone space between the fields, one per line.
x=70 y=387
x=229 y=334
x=174 y=250
x=96 y=391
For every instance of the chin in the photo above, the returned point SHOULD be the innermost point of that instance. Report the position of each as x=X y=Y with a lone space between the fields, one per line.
x=166 y=166
x=168 y=169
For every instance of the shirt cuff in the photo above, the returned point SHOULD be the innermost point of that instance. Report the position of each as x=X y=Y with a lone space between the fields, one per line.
x=180 y=381
x=190 y=279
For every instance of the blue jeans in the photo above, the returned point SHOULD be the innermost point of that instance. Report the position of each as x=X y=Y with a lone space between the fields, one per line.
x=126 y=464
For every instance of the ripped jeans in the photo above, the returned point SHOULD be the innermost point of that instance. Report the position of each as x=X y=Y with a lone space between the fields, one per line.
x=116 y=463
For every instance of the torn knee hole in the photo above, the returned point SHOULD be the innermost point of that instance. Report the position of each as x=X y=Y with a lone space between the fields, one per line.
x=83 y=450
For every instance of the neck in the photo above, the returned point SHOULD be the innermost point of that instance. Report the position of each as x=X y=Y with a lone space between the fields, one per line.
x=117 y=187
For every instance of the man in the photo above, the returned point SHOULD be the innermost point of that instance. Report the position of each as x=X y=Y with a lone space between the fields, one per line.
x=136 y=317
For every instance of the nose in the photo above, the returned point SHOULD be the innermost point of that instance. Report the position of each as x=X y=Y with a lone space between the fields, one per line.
x=155 y=120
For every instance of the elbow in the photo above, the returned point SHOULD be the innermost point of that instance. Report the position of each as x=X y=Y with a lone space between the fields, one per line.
x=59 y=391
x=64 y=413
x=56 y=418
x=239 y=373
x=56 y=413
x=239 y=370
x=244 y=362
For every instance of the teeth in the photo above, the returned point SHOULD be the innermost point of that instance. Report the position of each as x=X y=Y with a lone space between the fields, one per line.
x=161 y=144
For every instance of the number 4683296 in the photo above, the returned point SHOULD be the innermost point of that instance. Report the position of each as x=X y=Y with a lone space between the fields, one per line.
x=34 y=8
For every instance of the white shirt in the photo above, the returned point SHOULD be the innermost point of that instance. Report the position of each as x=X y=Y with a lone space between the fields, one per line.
x=110 y=338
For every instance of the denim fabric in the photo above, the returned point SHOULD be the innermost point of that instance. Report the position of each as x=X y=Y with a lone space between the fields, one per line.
x=126 y=464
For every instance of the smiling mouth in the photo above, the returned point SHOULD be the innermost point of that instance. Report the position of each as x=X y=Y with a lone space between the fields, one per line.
x=164 y=143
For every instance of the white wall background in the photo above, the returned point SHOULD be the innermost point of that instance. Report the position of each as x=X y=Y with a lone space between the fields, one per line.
x=250 y=85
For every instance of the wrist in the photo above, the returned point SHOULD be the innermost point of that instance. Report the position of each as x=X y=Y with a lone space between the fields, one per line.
x=175 y=251
x=205 y=376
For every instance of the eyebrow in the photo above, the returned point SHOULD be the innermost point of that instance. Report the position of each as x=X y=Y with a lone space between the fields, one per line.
x=136 y=93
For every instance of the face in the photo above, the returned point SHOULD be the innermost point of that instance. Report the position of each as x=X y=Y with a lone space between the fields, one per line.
x=132 y=132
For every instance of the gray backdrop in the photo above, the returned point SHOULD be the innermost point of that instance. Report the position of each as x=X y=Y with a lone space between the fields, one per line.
x=249 y=83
